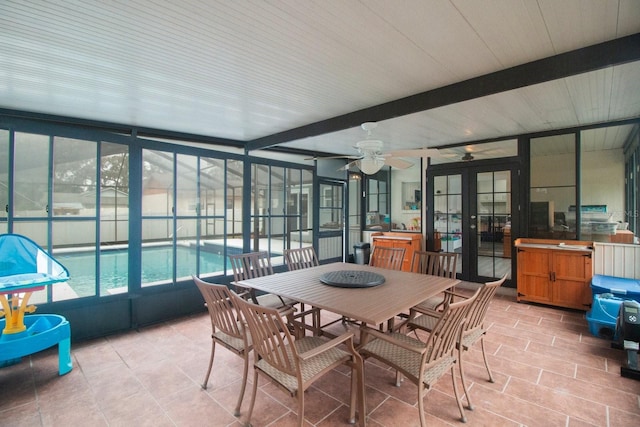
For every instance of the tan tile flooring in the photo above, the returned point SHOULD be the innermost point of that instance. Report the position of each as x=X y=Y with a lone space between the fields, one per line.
x=549 y=371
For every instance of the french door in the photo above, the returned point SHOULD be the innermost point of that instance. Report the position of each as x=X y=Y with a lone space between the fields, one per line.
x=331 y=220
x=471 y=212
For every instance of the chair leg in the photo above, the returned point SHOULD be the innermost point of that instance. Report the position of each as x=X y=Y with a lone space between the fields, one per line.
x=423 y=420
x=206 y=377
x=486 y=362
x=463 y=417
x=355 y=382
x=315 y=320
x=399 y=378
x=300 y=407
x=253 y=397
x=236 y=412
x=461 y=350
x=357 y=403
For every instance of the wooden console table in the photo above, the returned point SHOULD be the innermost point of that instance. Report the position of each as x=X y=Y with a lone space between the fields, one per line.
x=554 y=272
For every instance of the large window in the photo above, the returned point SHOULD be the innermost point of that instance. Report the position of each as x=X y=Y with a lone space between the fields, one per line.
x=602 y=182
x=281 y=206
x=378 y=201
x=189 y=205
x=552 y=213
x=67 y=195
x=632 y=180
x=581 y=194
x=72 y=197
x=406 y=199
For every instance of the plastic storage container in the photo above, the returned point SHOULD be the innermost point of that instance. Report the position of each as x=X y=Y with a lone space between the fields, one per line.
x=603 y=316
x=362 y=252
x=618 y=286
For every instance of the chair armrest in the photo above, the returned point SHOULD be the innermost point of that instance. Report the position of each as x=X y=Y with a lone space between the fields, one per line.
x=456 y=294
x=287 y=310
x=366 y=330
x=326 y=346
x=426 y=312
x=245 y=294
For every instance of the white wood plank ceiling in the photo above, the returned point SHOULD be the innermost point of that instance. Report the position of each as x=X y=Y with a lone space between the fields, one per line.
x=244 y=70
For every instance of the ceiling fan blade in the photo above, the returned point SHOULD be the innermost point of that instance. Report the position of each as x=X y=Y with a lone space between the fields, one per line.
x=348 y=165
x=397 y=163
x=420 y=152
x=331 y=157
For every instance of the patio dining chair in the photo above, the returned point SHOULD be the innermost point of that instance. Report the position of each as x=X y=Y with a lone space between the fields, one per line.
x=294 y=365
x=441 y=264
x=389 y=258
x=299 y=259
x=473 y=330
x=249 y=266
x=227 y=329
x=423 y=363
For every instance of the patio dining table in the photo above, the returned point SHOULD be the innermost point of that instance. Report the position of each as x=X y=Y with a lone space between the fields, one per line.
x=372 y=305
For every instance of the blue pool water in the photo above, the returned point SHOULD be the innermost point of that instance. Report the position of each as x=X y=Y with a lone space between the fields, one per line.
x=157 y=265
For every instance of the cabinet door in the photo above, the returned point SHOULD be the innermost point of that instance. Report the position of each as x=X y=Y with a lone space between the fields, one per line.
x=534 y=275
x=572 y=274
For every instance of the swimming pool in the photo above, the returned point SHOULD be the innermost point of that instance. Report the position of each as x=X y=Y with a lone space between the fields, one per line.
x=157 y=266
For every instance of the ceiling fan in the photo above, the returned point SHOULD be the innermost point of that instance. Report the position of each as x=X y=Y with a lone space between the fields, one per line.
x=471 y=152
x=467 y=157
x=371 y=157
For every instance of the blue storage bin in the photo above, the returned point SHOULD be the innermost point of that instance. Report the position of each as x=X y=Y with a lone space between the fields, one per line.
x=603 y=316
x=618 y=286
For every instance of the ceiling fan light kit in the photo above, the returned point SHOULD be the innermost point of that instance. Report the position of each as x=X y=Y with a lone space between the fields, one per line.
x=370 y=165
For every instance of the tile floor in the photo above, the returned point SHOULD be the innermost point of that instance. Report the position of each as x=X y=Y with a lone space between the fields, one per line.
x=549 y=371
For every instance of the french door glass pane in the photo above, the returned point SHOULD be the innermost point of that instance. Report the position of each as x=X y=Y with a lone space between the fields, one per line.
x=493 y=222
x=448 y=215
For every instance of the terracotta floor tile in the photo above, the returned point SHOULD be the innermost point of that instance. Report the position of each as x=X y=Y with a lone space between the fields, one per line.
x=196 y=408
x=558 y=400
x=597 y=393
x=518 y=410
x=548 y=369
x=541 y=360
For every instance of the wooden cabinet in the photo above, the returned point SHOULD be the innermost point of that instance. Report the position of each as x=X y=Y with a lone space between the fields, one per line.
x=622 y=236
x=409 y=241
x=506 y=242
x=554 y=272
